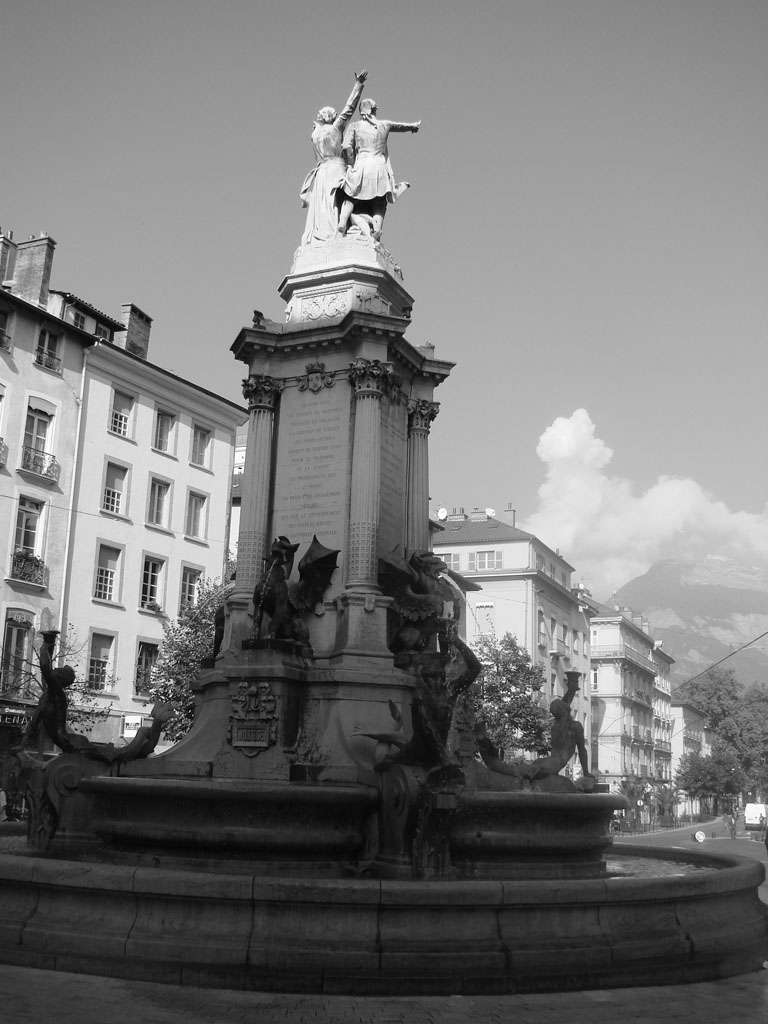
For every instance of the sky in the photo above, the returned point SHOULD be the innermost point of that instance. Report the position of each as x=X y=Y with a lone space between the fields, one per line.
x=586 y=235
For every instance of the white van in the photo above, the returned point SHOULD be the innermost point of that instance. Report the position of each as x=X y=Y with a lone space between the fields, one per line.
x=752 y=815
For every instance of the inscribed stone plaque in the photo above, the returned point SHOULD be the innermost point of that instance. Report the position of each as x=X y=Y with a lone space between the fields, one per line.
x=394 y=426
x=312 y=468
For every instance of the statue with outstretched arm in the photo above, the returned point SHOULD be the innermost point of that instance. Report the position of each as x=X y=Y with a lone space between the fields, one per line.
x=369 y=184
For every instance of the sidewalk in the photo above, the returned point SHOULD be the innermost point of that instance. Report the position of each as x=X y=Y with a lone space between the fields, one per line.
x=29 y=996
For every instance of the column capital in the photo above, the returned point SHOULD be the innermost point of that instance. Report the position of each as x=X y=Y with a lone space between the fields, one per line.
x=261 y=392
x=371 y=377
x=421 y=412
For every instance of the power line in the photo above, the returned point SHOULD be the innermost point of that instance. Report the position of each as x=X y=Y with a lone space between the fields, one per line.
x=732 y=653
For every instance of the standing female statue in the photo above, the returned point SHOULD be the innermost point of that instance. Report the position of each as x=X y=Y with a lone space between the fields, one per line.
x=320 y=191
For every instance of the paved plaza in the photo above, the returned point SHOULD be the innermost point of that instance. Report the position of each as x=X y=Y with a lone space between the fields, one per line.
x=29 y=996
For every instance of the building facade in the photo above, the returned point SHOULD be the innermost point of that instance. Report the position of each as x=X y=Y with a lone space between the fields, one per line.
x=526 y=591
x=631 y=713
x=115 y=488
x=690 y=735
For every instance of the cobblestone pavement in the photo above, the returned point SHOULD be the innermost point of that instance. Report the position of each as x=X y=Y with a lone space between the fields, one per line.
x=28 y=996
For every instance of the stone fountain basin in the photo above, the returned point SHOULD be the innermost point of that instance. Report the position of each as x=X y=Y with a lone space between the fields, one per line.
x=355 y=935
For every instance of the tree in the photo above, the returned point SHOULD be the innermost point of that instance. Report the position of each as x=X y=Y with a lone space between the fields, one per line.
x=186 y=641
x=713 y=777
x=716 y=694
x=506 y=695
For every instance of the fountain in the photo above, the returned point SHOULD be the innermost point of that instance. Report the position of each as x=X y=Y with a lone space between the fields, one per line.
x=327 y=824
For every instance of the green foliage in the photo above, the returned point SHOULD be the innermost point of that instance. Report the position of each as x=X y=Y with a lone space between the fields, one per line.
x=738 y=716
x=186 y=641
x=507 y=695
x=717 y=775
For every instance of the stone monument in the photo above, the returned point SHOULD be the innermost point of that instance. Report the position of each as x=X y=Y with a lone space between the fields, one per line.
x=327 y=825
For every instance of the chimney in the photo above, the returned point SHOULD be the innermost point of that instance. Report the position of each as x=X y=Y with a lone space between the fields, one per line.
x=7 y=256
x=32 y=274
x=135 y=337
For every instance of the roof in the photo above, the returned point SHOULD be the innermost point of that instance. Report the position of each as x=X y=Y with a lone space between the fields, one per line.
x=469 y=531
x=71 y=297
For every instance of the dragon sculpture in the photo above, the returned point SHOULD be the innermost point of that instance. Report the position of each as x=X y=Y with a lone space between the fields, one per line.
x=286 y=601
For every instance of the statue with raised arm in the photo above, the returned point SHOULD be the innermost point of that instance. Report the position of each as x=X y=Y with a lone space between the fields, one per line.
x=320 y=192
x=369 y=184
x=50 y=717
x=567 y=737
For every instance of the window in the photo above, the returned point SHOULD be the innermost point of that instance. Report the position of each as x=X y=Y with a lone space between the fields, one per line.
x=146 y=660
x=106 y=588
x=159 y=493
x=452 y=561
x=190 y=578
x=102 y=332
x=151 y=583
x=540 y=563
x=195 y=521
x=28 y=526
x=15 y=677
x=484 y=560
x=120 y=414
x=78 y=320
x=36 y=429
x=100 y=662
x=113 y=498
x=164 y=422
x=47 y=354
x=37 y=437
x=5 y=329
x=594 y=679
x=575 y=641
x=484 y=618
x=200 y=440
x=542 y=631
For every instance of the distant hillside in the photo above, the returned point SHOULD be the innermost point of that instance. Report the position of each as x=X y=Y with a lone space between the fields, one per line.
x=702 y=610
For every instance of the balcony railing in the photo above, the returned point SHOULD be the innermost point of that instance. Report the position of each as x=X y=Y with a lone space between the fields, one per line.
x=43 y=464
x=50 y=362
x=29 y=568
x=558 y=648
x=626 y=652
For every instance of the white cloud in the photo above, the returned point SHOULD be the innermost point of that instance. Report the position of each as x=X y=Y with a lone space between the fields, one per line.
x=610 y=533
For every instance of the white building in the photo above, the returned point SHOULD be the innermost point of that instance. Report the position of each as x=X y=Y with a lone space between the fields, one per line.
x=526 y=591
x=630 y=688
x=116 y=486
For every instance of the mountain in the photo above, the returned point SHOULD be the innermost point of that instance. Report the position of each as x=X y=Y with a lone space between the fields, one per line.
x=702 y=610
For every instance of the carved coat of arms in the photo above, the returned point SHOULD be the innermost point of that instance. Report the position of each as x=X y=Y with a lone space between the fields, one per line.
x=253 y=720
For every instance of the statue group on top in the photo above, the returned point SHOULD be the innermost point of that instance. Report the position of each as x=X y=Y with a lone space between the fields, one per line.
x=352 y=181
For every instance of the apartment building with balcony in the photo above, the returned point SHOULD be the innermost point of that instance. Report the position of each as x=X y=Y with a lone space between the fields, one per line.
x=115 y=492
x=526 y=591
x=630 y=690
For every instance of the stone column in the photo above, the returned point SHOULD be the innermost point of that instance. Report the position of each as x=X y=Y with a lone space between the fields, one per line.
x=421 y=412
x=261 y=393
x=370 y=379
